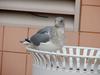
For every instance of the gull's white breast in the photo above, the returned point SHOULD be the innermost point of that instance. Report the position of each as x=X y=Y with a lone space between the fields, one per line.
x=48 y=46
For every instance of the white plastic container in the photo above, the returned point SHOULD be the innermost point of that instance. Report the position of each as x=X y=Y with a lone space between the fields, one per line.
x=73 y=60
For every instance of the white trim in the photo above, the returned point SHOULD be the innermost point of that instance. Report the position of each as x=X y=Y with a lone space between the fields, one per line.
x=60 y=7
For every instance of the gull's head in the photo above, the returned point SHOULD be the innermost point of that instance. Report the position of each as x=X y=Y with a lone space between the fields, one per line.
x=59 y=22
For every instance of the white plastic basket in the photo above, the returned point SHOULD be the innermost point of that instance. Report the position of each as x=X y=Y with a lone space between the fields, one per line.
x=73 y=60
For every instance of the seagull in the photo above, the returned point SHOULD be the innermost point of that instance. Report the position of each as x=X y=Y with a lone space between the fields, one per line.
x=49 y=38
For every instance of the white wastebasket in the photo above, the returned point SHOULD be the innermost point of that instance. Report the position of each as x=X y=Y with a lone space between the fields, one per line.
x=73 y=61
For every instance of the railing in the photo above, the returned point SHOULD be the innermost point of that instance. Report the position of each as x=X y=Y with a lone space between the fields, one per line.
x=73 y=58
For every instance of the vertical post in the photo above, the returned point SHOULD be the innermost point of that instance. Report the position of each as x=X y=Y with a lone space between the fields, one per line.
x=77 y=15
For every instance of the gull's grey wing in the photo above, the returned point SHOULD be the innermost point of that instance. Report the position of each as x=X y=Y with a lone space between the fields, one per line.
x=42 y=35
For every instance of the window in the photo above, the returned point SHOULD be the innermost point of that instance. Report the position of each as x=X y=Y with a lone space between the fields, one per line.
x=24 y=12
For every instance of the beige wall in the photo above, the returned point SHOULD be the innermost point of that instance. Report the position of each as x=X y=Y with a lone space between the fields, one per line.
x=90 y=23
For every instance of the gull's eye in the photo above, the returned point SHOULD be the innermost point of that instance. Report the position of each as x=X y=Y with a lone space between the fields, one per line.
x=61 y=21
